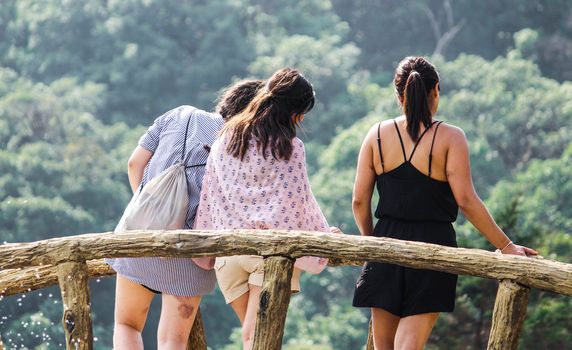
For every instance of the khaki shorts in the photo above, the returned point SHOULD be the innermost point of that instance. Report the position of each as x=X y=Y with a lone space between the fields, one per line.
x=235 y=273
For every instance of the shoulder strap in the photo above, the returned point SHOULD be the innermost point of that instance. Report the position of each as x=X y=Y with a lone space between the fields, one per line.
x=379 y=147
x=185 y=139
x=400 y=140
x=431 y=149
x=419 y=140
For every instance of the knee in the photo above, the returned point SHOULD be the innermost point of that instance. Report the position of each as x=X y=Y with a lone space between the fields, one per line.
x=172 y=336
x=247 y=333
x=167 y=340
x=134 y=320
x=409 y=345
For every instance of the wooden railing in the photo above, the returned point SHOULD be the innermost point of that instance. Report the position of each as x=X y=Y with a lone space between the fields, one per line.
x=70 y=261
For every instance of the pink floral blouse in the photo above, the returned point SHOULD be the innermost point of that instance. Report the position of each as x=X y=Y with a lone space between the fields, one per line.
x=258 y=193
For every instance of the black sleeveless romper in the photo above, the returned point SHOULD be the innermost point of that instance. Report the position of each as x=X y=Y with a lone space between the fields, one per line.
x=413 y=207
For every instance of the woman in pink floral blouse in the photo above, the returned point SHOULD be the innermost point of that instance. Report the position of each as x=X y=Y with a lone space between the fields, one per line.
x=256 y=178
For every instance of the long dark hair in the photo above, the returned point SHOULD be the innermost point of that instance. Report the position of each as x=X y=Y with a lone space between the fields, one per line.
x=269 y=118
x=414 y=78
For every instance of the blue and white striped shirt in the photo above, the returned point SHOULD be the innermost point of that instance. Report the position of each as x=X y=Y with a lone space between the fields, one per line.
x=165 y=138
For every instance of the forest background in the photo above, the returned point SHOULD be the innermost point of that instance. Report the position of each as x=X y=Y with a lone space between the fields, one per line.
x=81 y=80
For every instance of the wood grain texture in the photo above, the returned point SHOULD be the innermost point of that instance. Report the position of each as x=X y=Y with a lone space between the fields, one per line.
x=369 y=345
x=274 y=301
x=508 y=316
x=534 y=272
x=72 y=277
x=197 y=340
x=16 y=281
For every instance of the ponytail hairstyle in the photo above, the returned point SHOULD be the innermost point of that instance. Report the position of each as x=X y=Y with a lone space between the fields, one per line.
x=414 y=79
x=270 y=116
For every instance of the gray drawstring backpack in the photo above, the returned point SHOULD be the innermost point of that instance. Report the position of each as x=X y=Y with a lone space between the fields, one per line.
x=162 y=203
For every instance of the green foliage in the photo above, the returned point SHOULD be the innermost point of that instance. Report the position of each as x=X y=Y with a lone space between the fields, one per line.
x=340 y=328
x=75 y=74
x=311 y=37
x=385 y=32
x=547 y=185
x=149 y=54
x=62 y=172
x=548 y=324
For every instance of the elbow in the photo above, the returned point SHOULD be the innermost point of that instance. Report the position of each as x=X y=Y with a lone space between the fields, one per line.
x=357 y=203
x=133 y=164
x=466 y=202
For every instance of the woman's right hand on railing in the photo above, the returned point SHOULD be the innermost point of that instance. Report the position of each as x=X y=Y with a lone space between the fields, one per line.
x=334 y=229
x=515 y=249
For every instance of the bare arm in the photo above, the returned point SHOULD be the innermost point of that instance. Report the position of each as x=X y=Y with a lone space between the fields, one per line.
x=136 y=166
x=363 y=187
x=459 y=177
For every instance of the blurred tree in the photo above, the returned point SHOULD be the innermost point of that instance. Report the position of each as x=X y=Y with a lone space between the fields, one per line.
x=310 y=37
x=149 y=54
x=387 y=31
x=66 y=67
x=61 y=173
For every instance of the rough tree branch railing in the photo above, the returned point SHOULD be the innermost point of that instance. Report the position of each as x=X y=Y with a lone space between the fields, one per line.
x=516 y=273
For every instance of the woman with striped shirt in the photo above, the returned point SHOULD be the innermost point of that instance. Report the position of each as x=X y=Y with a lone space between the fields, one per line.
x=180 y=280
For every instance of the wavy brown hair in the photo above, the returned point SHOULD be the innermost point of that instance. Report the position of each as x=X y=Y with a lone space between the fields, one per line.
x=235 y=97
x=270 y=118
x=414 y=78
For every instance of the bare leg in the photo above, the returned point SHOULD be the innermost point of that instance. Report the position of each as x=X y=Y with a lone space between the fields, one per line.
x=384 y=327
x=177 y=318
x=131 y=307
x=239 y=306
x=413 y=331
x=249 y=322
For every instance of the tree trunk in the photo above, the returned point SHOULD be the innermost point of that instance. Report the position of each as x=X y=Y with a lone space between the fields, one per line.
x=508 y=315
x=274 y=300
x=197 y=340
x=72 y=277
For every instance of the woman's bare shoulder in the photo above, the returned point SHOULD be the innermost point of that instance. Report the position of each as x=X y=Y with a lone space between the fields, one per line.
x=378 y=126
x=453 y=134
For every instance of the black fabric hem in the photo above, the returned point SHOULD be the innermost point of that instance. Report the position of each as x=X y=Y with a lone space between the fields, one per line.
x=151 y=289
x=406 y=314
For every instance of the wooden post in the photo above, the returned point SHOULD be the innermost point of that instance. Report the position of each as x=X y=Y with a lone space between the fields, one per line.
x=508 y=315
x=274 y=301
x=72 y=277
x=369 y=345
x=197 y=340
x=1 y=344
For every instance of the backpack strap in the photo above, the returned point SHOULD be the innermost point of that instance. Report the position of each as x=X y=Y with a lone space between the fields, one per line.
x=184 y=159
x=185 y=139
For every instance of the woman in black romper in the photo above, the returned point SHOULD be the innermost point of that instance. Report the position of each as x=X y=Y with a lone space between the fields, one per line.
x=421 y=168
